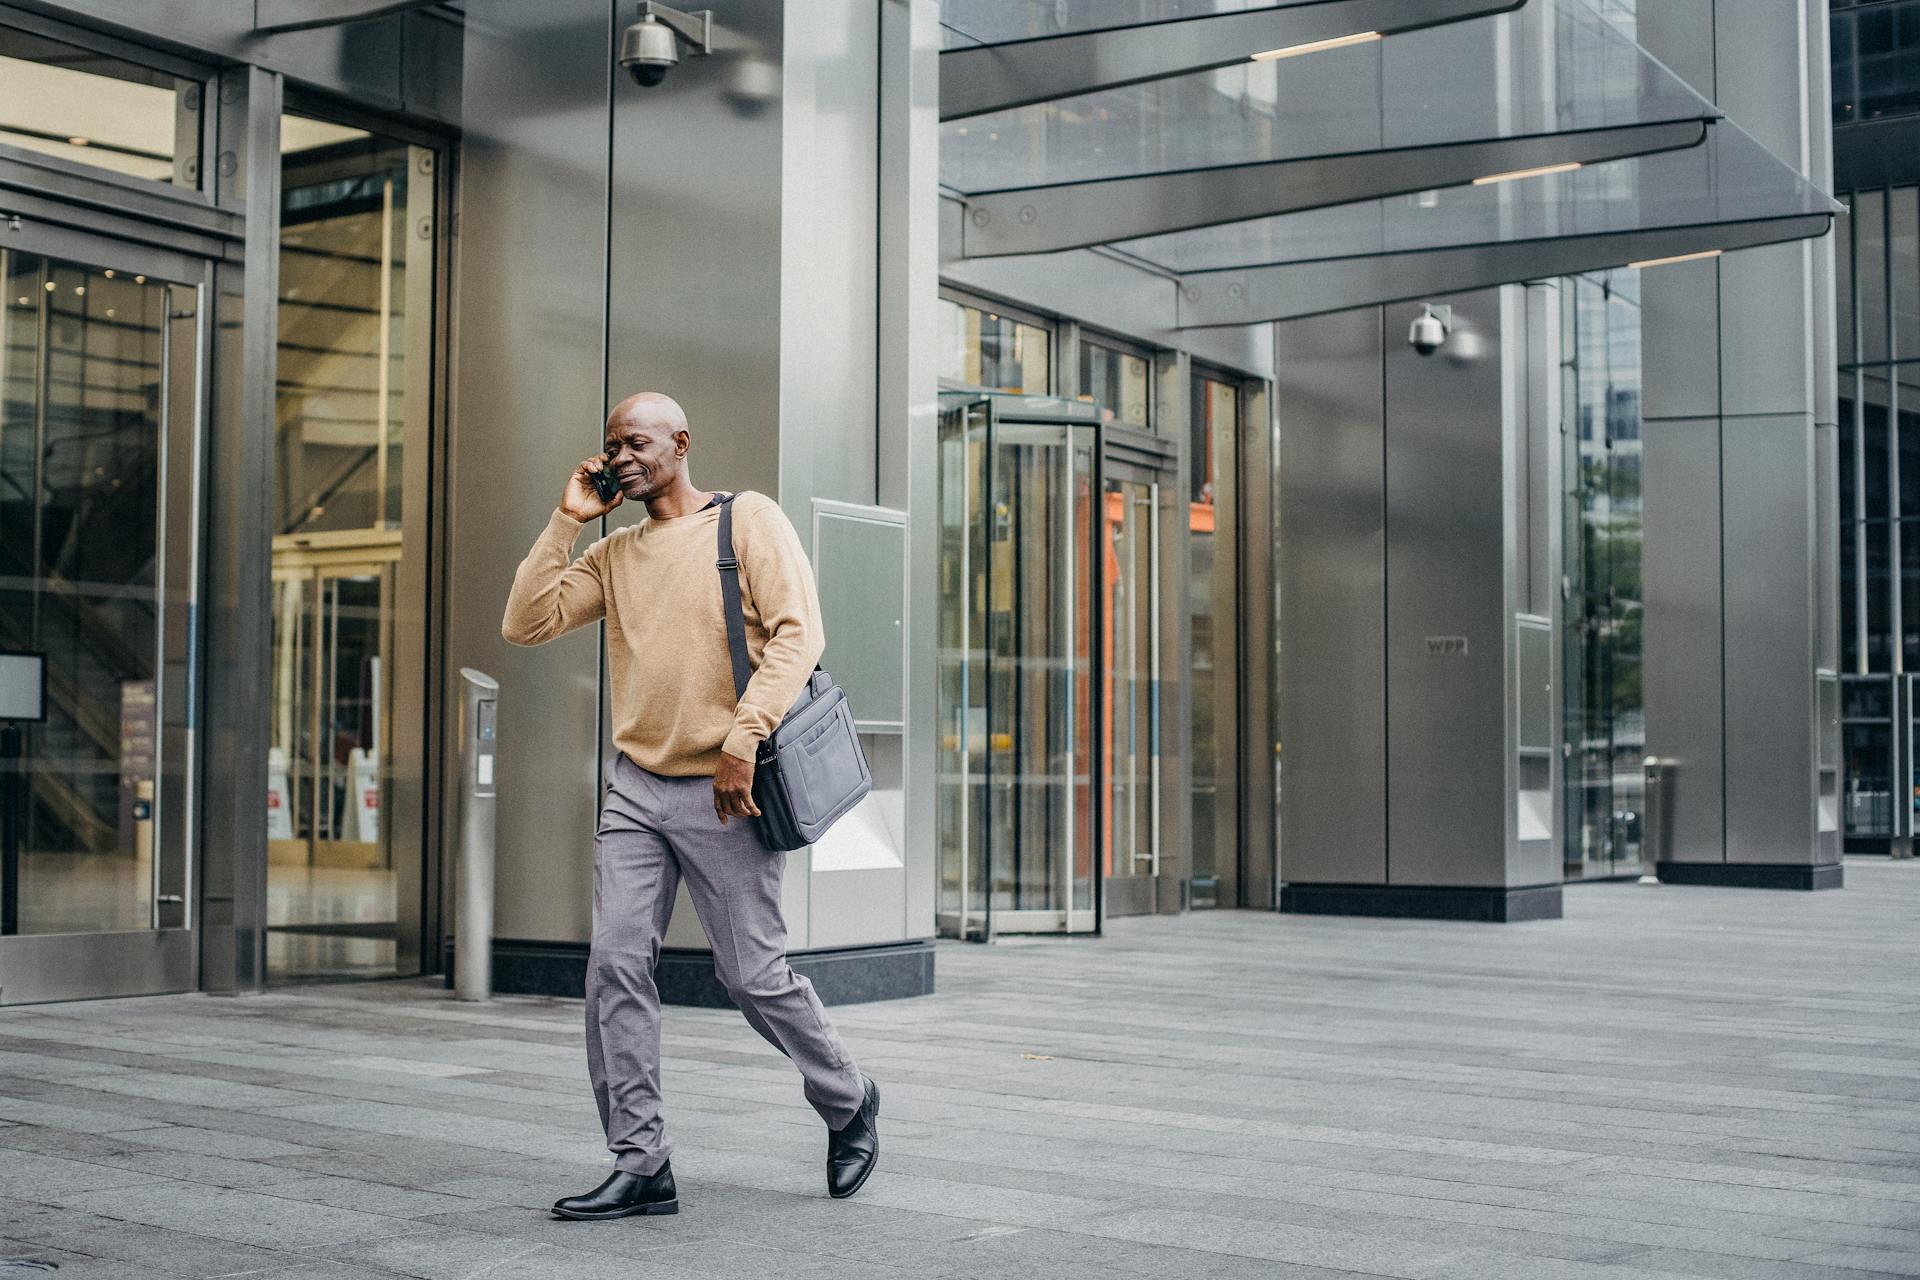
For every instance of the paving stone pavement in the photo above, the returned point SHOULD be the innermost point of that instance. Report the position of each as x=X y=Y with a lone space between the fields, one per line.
x=1669 y=1082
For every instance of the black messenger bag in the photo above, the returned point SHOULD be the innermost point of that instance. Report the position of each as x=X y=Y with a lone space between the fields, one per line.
x=810 y=770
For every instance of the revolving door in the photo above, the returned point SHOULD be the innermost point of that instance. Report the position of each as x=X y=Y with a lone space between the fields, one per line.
x=1050 y=661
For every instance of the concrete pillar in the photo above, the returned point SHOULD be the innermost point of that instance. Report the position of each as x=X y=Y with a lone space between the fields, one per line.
x=1739 y=456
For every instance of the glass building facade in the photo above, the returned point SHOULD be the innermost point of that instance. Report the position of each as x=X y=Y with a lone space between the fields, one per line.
x=1604 y=704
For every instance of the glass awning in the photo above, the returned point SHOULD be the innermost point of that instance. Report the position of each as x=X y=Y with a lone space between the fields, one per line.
x=1008 y=53
x=1431 y=108
x=1454 y=156
x=1729 y=193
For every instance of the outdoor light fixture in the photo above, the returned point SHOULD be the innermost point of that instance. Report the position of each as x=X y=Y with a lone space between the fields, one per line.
x=651 y=47
x=1678 y=257
x=1316 y=46
x=1536 y=172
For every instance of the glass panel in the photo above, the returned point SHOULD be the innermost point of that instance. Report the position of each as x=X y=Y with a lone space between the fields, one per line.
x=1039 y=687
x=354 y=324
x=990 y=21
x=59 y=100
x=1869 y=772
x=1450 y=83
x=1215 y=421
x=1130 y=688
x=1903 y=227
x=964 y=563
x=343 y=331
x=81 y=457
x=1604 y=707
x=1843 y=287
x=1728 y=178
x=992 y=352
x=1876 y=60
x=1120 y=382
x=1870 y=267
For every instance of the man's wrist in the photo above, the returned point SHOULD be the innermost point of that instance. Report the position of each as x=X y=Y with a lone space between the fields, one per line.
x=742 y=745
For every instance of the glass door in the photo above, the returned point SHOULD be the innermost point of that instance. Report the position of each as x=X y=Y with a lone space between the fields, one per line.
x=331 y=892
x=100 y=348
x=1020 y=795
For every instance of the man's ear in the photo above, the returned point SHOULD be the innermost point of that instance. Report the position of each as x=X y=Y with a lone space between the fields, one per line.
x=680 y=442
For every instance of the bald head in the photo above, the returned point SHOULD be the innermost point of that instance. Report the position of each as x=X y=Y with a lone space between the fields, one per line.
x=648 y=409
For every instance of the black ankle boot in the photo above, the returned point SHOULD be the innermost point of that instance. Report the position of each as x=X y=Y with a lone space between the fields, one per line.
x=851 y=1151
x=622 y=1196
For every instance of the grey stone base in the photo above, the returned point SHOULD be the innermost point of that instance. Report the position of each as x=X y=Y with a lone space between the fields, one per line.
x=852 y=975
x=1424 y=902
x=1754 y=875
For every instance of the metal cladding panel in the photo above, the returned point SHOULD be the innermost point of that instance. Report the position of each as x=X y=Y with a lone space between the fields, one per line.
x=1447 y=741
x=830 y=252
x=1769 y=476
x=1680 y=372
x=1332 y=585
x=1681 y=34
x=528 y=406
x=1763 y=74
x=1766 y=344
x=694 y=252
x=1682 y=667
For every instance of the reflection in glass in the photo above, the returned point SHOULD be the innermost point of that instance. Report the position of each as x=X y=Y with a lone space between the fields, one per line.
x=1215 y=423
x=1120 y=382
x=345 y=419
x=58 y=100
x=1604 y=710
x=82 y=396
x=992 y=352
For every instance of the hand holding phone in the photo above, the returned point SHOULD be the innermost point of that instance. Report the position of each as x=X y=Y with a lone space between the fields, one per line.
x=592 y=490
x=605 y=484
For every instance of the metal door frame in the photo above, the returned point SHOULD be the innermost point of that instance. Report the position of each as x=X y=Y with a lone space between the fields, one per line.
x=1141 y=457
x=164 y=957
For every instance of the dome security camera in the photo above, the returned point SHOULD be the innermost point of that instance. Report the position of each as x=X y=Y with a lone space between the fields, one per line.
x=651 y=47
x=1429 y=330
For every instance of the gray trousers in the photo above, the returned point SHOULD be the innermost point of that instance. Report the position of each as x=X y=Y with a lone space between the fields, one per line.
x=653 y=832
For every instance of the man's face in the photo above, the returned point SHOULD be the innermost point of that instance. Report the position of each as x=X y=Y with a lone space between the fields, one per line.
x=646 y=456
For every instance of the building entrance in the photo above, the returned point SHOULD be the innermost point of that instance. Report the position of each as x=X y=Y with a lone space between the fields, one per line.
x=1049 y=796
x=100 y=380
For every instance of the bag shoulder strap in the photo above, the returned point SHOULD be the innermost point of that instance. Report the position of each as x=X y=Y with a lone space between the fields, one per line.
x=730 y=599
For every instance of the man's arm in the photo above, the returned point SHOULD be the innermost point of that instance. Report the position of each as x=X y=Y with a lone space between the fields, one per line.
x=551 y=597
x=776 y=569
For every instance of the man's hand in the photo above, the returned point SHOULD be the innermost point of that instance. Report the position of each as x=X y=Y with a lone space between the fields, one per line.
x=733 y=789
x=581 y=500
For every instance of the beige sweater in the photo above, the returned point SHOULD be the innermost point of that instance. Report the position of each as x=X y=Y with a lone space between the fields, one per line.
x=655 y=583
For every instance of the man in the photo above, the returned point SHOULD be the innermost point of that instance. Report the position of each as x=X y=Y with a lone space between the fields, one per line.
x=679 y=801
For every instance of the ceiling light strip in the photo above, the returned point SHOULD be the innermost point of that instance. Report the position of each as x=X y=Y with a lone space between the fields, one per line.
x=1536 y=172
x=1678 y=257
x=1316 y=46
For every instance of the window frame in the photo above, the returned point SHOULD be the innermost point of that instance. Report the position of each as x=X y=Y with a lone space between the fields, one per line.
x=78 y=180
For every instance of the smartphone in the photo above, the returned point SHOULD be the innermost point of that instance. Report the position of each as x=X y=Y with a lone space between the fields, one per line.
x=604 y=483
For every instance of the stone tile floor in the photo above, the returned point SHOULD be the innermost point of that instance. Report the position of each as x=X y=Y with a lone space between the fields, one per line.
x=1669 y=1082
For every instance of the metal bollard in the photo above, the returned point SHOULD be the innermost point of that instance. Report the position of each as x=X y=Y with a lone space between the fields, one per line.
x=473 y=915
x=1655 y=817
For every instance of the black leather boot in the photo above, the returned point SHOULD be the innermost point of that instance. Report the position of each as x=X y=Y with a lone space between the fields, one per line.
x=622 y=1196
x=852 y=1151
